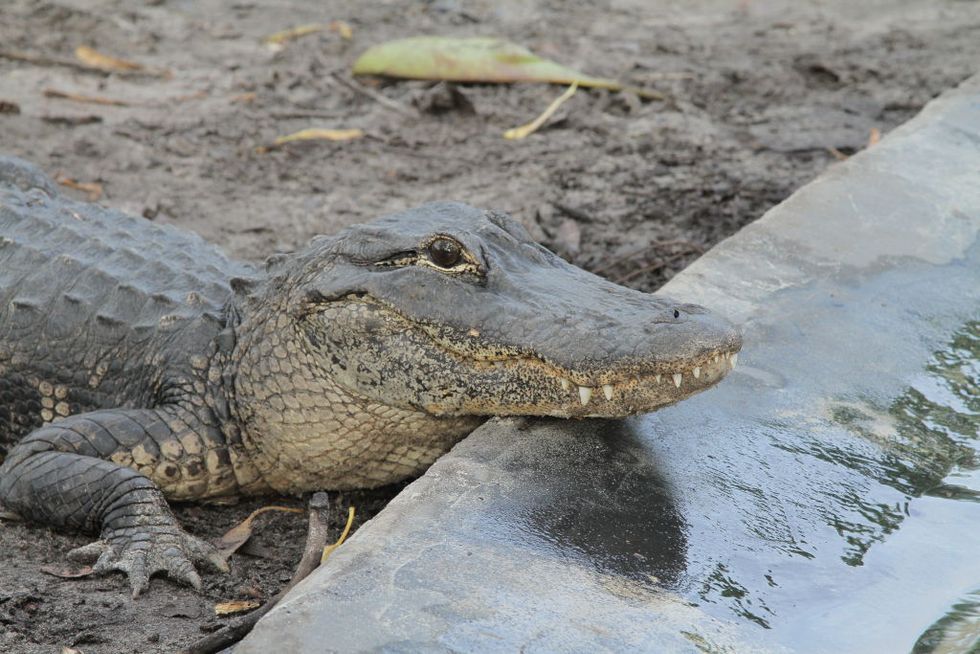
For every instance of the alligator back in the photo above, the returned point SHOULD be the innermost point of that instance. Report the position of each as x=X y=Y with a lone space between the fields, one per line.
x=93 y=303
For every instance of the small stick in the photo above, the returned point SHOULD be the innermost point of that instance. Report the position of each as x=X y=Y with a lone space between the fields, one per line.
x=374 y=95
x=316 y=540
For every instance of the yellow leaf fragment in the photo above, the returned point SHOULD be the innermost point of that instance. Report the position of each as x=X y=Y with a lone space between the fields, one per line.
x=314 y=134
x=328 y=550
x=244 y=98
x=235 y=606
x=95 y=59
x=342 y=28
x=240 y=533
x=92 y=58
x=92 y=189
x=523 y=131
x=293 y=33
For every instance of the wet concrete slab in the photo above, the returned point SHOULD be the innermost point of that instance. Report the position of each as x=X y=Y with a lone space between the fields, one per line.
x=824 y=498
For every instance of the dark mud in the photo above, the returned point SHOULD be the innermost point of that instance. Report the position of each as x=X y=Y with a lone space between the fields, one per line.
x=761 y=97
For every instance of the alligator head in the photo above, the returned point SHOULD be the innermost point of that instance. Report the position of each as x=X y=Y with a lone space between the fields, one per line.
x=448 y=311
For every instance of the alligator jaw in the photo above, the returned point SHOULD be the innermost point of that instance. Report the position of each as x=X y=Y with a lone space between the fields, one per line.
x=563 y=393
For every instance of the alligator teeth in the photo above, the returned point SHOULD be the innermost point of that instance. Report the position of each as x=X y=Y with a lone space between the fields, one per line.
x=607 y=391
x=657 y=378
x=584 y=394
x=564 y=384
x=733 y=358
x=697 y=372
x=677 y=379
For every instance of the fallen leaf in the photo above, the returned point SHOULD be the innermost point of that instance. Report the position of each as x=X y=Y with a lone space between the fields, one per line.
x=874 y=136
x=235 y=606
x=66 y=573
x=314 y=134
x=93 y=189
x=237 y=535
x=328 y=550
x=523 y=131
x=342 y=28
x=96 y=59
x=245 y=98
x=7 y=107
x=293 y=33
x=474 y=59
x=280 y=38
x=78 y=97
x=70 y=650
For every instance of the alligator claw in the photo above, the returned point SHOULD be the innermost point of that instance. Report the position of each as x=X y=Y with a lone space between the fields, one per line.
x=142 y=554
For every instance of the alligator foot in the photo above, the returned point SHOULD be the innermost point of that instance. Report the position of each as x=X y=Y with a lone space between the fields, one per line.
x=141 y=553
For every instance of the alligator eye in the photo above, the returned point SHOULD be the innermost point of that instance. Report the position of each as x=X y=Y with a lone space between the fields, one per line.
x=445 y=252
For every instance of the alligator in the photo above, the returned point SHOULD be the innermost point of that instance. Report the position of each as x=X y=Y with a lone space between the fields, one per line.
x=139 y=364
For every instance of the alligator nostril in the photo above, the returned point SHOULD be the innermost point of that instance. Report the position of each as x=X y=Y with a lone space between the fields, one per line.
x=677 y=314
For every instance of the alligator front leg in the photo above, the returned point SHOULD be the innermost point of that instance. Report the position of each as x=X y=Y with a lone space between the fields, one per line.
x=68 y=474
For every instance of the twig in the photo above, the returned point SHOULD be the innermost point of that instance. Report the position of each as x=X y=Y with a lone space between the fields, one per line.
x=316 y=540
x=374 y=95
x=78 y=97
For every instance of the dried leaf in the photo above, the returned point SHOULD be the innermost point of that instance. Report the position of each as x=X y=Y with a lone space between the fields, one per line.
x=92 y=58
x=237 y=535
x=235 y=606
x=7 y=107
x=314 y=134
x=342 y=28
x=96 y=59
x=328 y=550
x=70 y=650
x=78 y=97
x=524 y=130
x=280 y=38
x=66 y=573
x=475 y=59
x=93 y=189
x=245 y=98
x=874 y=136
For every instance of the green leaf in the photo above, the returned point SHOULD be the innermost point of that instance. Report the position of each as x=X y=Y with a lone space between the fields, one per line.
x=476 y=59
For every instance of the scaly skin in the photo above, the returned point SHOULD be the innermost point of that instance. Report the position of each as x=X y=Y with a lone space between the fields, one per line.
x=137 y=363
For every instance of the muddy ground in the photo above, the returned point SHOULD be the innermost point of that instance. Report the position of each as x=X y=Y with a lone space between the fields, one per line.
x=761 y=97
